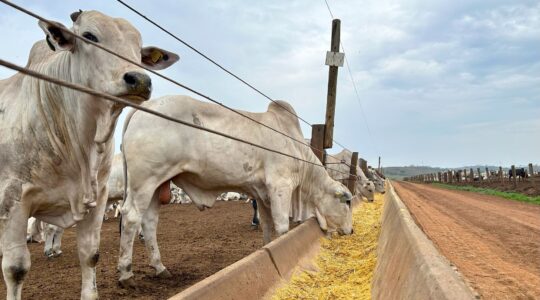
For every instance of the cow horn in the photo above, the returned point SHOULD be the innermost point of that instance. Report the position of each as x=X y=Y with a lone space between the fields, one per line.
x=74 y=16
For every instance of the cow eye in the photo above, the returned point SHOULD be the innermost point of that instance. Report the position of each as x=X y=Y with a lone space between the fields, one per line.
x=89 y=36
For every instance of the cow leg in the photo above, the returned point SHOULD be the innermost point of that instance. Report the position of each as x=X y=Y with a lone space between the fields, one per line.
x=266 y=221
x=16 y=257
x=131 y=221
x=57 y=241
x=49 y=239
x=88 y=237
x=149 y=229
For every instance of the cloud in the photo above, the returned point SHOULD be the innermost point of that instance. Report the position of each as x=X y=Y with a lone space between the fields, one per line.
x=438 y=80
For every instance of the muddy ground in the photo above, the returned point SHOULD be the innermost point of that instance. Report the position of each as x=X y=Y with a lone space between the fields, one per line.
x=494 y=242
x=193 y=246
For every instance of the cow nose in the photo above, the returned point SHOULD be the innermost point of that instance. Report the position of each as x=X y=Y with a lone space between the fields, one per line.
x=138 y=84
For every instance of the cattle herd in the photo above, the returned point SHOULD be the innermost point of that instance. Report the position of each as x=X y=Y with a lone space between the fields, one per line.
x=58 y=170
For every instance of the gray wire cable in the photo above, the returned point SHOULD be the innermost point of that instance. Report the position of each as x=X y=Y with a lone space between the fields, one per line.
x=134 y=10
x=115 y=99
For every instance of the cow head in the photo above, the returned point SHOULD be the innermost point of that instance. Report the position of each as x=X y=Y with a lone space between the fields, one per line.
x=102 y=71
x=367 y=189
x=334 y=211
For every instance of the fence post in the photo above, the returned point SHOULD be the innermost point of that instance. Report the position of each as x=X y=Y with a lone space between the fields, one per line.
x=531 y=170
x=317 y=141
x=352 y=173
x=487 y=174
x=500 y=174
x=480 y=175
x=471 y=174
x=450 y=176
x=465 y=175
x=363 y=167
x=332 y=86
x=514 y=177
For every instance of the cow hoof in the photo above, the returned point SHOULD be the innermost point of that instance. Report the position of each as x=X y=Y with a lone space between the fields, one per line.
x=49 y=254
x=164 y=274
x=254 y=227
x=57 y=253
x=128 y=283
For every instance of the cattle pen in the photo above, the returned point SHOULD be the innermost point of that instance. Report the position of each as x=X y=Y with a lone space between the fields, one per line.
x=303 y=222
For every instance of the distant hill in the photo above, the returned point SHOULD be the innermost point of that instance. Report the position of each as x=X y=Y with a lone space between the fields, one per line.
x=407 y=171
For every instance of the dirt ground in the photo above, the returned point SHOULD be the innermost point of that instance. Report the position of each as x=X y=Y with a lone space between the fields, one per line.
x=494 y=242
x=193 y=246
x=529 y=186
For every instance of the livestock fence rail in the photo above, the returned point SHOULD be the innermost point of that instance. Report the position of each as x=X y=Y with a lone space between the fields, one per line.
x=318 y=150
x=481 y=175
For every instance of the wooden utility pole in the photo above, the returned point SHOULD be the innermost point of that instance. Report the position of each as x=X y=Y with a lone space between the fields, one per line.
x=352 y=173
x=317 y=140
x=334 y=59
x=379 y=168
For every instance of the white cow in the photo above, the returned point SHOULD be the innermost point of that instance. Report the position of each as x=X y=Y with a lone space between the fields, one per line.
x=340 y=171
x=56 y=147
x=205 y=165
x=34 y=231
x=374 y=176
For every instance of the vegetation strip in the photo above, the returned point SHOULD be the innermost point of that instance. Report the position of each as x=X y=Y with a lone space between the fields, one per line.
x=492 y=192
x=345 y=263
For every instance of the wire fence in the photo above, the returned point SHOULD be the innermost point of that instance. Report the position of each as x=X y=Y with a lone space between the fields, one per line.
x=87 y=90
x=174 y=36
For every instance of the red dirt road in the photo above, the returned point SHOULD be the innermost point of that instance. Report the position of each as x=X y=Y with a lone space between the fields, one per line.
x=494 y=242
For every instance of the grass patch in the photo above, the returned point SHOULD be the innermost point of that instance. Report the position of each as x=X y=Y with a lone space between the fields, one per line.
x=345 y=263
x=492 y=192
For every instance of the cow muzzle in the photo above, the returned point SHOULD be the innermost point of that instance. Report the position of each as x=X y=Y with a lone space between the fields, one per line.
x=138 y=85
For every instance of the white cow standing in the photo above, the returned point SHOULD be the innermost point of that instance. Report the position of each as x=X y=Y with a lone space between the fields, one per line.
x=340 y=171
x=57 y=145
x=205 y=165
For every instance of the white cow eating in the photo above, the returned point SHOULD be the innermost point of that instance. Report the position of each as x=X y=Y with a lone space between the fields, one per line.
x=205 y=165
x=57 y=145
x=340 y=171
x=374 y=176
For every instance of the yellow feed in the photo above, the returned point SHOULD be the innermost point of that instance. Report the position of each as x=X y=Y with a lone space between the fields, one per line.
x=345 y=263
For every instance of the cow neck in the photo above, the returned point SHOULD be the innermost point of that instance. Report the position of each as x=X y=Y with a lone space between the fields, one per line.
x=77 y=126
x=312 y=179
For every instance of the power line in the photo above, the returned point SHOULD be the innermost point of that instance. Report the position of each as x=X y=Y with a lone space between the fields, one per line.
x=119 y=100
x=206 y=57
x=163 y=76
x=214 y=62
x=149 y=70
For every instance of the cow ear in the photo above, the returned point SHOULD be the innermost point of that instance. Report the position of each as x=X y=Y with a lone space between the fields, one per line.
x=157 y=59
x=57 y=36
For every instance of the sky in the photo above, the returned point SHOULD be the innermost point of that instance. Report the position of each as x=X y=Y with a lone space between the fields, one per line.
x=441 y=83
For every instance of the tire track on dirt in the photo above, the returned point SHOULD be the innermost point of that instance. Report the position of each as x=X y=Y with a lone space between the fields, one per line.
x=494 y=242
